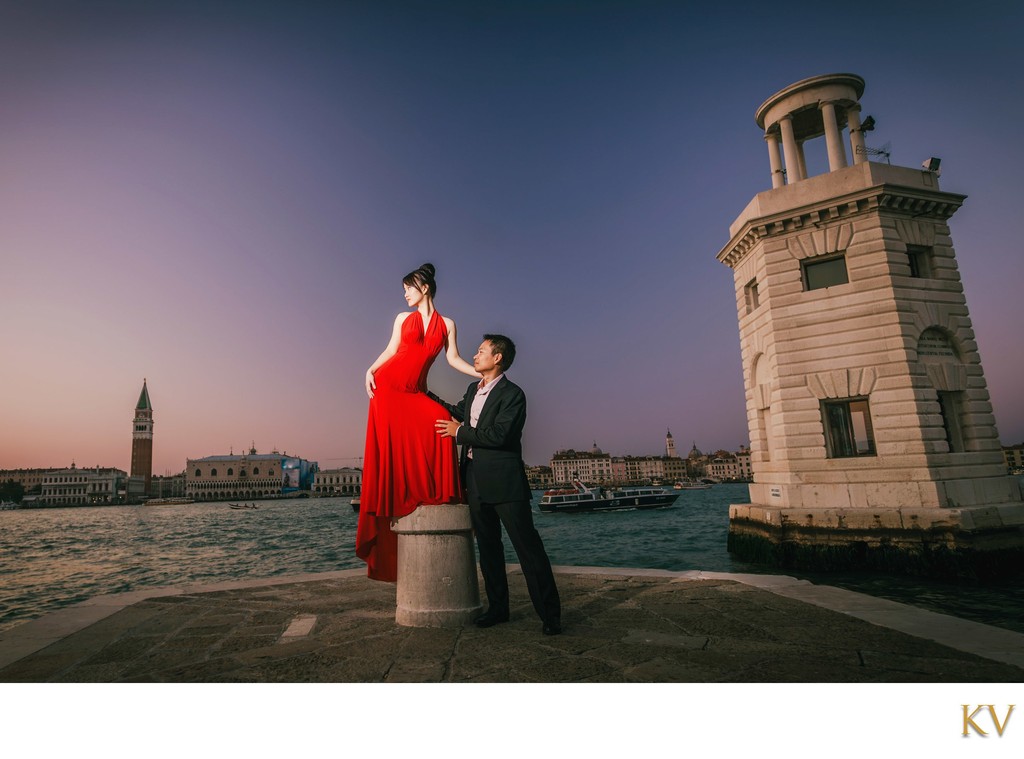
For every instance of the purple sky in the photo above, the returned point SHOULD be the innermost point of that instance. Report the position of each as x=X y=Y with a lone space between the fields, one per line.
x=223 y=198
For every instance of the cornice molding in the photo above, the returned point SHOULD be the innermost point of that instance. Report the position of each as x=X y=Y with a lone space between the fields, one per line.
x=908 y=202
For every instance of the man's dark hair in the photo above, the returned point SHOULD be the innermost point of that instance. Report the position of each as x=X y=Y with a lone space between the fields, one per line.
x=504 y=346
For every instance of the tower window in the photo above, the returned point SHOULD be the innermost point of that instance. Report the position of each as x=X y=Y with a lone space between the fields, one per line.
x=820 y=273
x=750 y=296
x=848 y=429
x=950 y=405
x=920 y=259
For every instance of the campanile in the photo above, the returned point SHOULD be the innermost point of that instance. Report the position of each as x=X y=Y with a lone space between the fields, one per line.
x=142 y=439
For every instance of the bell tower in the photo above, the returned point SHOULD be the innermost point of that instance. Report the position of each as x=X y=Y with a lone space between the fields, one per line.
x=670 y=445
x=142 y=439
x=873 y=442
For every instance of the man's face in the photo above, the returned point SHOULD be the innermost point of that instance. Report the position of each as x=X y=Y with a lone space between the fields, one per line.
x=486 y=359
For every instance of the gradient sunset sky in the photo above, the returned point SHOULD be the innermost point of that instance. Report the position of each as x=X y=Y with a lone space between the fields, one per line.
x=223 y=197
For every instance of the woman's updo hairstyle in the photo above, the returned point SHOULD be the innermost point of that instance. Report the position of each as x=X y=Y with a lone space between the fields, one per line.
x=422 y=276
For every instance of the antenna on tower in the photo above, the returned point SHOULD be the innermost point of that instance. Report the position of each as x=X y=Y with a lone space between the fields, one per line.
x=885 y=151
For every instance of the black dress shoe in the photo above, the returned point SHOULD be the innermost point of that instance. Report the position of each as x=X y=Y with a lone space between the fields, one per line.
x=553 y=627
x=488 y=619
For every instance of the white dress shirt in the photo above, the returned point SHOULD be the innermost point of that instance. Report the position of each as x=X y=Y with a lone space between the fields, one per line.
x=479 y=400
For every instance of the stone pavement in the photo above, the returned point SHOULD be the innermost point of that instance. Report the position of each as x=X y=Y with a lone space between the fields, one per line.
x=619 y=626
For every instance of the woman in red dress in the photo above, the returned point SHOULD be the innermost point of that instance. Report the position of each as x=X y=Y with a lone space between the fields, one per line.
x=406 y=463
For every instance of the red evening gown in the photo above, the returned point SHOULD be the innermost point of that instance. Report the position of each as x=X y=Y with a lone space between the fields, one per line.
x=406 y=463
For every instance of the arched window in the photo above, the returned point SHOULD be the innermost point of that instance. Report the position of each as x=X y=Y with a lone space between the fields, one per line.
x=199 y=473
x=256 y=470
x=230 y=471
x=213 y=472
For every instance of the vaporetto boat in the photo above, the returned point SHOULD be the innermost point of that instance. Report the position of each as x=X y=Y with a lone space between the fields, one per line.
x=581 y=498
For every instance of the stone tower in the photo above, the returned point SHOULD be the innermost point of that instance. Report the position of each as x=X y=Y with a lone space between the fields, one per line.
x=873 y=442
x=142 y=440
x=670 y=445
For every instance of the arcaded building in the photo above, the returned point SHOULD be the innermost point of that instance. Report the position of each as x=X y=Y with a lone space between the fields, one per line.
x=249 y=475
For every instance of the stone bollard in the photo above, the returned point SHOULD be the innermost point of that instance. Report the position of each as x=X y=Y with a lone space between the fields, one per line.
x=437 y=585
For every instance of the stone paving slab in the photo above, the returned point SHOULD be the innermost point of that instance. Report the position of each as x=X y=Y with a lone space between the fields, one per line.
x=619 y=626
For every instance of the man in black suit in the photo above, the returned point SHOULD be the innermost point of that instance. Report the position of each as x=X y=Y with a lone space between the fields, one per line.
x=490 y=428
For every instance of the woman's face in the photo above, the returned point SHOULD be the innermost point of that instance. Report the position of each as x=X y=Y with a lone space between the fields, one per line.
x=413 y=294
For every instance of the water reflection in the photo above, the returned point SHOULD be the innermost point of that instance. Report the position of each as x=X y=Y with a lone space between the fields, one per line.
x=53 y=558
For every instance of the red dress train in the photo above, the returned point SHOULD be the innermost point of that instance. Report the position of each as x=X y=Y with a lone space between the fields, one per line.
x=406 y=462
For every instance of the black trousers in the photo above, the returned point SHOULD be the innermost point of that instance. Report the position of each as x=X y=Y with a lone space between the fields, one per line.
x=517 y=518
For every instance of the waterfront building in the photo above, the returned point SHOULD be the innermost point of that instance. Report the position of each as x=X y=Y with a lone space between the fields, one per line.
x=540 y=477
x=336 y=482
x=649 y=469
x=81 y=487
x=873 y=440
x=743 y=461
x=674 y=469
x=248 y=475
x=142 y=445
x=595 y=467
x=30 y=479
x=1014 y=457
x=696 y=463
x=592 y=467
x=168 y=486
x=730 y=467
x=640 y=468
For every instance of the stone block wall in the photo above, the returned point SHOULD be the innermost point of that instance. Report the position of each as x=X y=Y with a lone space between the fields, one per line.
x=886 y=336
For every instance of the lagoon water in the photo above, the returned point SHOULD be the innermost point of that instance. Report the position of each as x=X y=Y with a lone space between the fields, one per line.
x=51 y=558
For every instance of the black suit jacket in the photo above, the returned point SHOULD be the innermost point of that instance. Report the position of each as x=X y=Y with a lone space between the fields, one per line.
x=497 y=441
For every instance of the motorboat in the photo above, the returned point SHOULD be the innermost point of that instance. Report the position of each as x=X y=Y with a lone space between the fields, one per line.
x=691 y=485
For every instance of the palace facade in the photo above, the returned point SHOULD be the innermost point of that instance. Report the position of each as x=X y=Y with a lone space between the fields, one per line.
x=248 y=475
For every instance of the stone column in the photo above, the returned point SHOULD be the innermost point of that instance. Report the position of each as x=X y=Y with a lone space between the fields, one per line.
x=833 y=139
x=791 y=151
x=860 y=153
x=775 y=158
x=437 y=585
